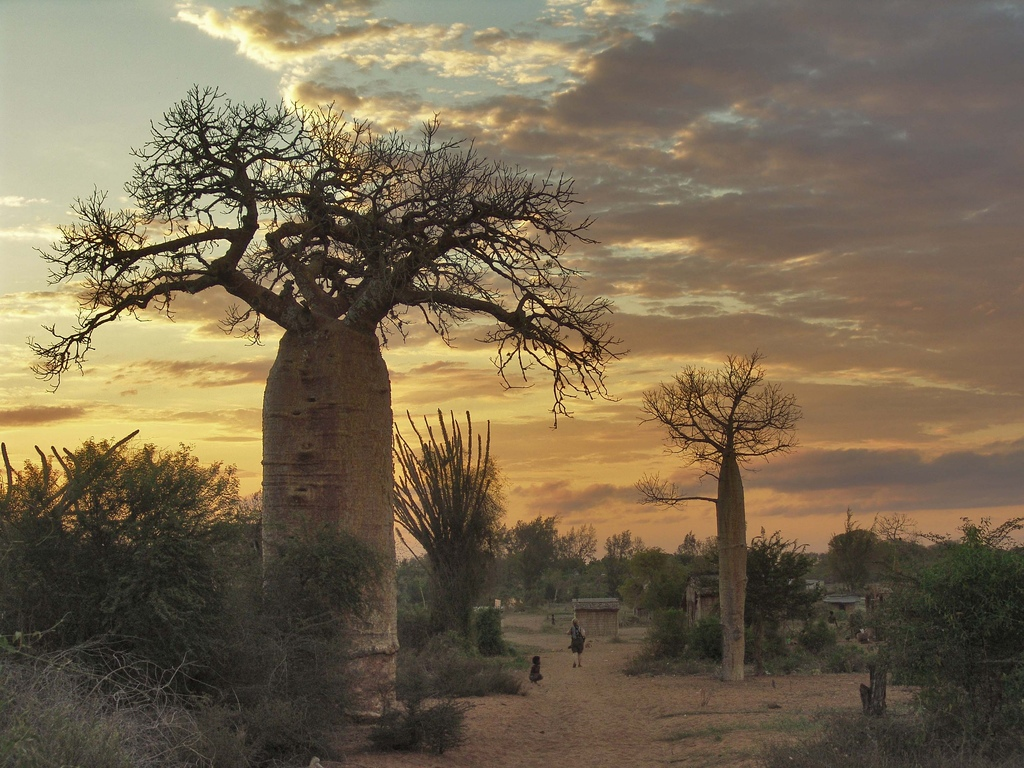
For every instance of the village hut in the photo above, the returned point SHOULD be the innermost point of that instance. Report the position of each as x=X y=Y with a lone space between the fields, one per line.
x=701 y=596
x=599 y=616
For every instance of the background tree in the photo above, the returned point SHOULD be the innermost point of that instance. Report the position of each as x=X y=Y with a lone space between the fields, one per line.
x=656 y=580
x=720 y=420
x=448 y=497
x=576 y=547
x=533 y=550
x=776 y=588
x=957 y=630
x=852 y=554
x=619 y=549
x=334 y=233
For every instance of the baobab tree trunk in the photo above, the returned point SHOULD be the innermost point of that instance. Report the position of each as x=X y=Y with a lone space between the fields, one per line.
x=732 y=566
x=327 y=465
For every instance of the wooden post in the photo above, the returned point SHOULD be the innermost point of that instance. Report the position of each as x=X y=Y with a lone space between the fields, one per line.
x=872 y=697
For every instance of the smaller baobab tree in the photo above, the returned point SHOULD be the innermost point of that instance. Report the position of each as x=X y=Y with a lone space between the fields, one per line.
x=719 y=420
x=447 y=496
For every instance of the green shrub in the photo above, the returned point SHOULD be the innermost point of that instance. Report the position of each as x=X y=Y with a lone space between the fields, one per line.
x=706 y=638
x=122 y=542
x=958 y=632
x=816 y=637
x=487 y=629
x=436 y=728
x=668 y=636
x=845 y=658
x=414 y=626
x=447 y=668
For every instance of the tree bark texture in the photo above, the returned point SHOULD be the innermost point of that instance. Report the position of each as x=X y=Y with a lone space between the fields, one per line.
x=732 y=566
x=327 y=463
x=872 y=697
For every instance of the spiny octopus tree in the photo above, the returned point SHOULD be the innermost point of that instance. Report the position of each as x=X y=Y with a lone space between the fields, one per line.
x=341 y=236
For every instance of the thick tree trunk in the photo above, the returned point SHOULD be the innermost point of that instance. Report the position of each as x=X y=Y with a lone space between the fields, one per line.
x=327 y=464
x=732 y=566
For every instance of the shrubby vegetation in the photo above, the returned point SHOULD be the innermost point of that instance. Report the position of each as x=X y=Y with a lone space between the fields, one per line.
x=133 y=575
x=954 y=627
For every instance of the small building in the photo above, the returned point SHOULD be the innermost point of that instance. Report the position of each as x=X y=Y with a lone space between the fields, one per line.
x=845 y=603
x=599 y=616
x=701 y=596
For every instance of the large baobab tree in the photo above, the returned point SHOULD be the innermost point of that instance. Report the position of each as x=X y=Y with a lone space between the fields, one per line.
x=719 y=420
x=341 y=236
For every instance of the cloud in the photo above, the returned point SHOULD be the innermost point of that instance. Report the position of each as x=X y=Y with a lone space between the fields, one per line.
x=834 y=183
x=17 y=201
x=37 y=415
x=202 y=374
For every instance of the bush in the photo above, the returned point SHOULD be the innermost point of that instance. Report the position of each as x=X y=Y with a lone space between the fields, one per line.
x=436 y=728
x=706 y=639
x=816 y=637
x=669 y=635
x=845 y=658
x=121 y=542
x=445 y=667
x=414 y=630
x=487 y=628
x=54 y=711
x=958 y=632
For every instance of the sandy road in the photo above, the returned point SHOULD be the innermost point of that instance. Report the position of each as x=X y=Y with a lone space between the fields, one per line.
x=600 y=718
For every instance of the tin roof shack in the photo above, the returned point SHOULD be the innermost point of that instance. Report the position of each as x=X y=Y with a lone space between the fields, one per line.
x=845 y=603
x=701 y=596
x=599 y=616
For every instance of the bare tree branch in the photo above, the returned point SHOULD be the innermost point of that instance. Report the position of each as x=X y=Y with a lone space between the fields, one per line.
x=308 y=219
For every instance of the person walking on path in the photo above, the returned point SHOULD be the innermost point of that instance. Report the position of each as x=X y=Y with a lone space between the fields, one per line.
x=577 y=637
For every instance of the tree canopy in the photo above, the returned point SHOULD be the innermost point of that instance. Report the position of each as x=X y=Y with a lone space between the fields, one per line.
x=305 y=218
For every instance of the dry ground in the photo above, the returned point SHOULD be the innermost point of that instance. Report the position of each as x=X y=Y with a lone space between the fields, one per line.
x=598 y=717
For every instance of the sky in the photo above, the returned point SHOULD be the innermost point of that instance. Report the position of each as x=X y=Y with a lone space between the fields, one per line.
x=837 y=184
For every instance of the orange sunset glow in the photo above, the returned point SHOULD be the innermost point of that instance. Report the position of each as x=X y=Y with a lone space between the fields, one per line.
x=837 y=185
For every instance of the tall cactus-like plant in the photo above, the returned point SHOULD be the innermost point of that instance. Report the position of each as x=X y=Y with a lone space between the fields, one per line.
x=448 y=498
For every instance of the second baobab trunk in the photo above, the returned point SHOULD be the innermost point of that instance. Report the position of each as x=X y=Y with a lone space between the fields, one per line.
x=719 y=420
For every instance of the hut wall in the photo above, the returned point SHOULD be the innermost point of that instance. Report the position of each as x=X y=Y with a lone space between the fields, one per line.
x=599 y=623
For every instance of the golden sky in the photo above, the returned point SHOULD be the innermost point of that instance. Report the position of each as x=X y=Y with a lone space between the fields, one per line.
x=837 y=184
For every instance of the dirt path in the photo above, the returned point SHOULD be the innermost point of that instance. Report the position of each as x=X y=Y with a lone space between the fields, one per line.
x=598 y=717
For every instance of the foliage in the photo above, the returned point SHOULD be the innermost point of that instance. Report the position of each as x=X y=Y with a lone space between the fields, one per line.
x=776 y=590
x=619 y=550
x=449 y=500
x=435 y=728
x=656 y=580
x=487 y=631
x=851 y=555
x=958 y=632
x=447 y=667
x=699 y=556
x=262 y=680
x=853 y=741
x=817 y=637
x=672 y=636
x=122 y=541
x=668 y=635
x=54 y=710
x=533 y=549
